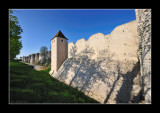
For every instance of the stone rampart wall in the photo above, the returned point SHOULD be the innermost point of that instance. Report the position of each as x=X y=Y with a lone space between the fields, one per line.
x=105 y=67
x=122 y=42
x=32 y=60
x=35 y=58
x=143 y=17
x=120 y=45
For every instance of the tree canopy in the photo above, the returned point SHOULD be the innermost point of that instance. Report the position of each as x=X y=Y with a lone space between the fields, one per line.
x=14 y=35
x=43 y=50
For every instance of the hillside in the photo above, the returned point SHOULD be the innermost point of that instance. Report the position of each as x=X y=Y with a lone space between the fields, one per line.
x=30 y=86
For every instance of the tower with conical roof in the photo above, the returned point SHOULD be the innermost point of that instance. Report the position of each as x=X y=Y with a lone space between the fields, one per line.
x=59 y=51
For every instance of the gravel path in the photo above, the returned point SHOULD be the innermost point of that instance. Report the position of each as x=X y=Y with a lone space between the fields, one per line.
x=37 y=67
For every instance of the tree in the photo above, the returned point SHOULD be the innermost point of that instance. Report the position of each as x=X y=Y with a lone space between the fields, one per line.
x=43 y=50
x=14 y=34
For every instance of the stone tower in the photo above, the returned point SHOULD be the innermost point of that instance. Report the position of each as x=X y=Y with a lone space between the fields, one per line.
x=59 y=51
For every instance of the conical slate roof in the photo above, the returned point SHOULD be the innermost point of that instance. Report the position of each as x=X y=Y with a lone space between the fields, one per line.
x=59 y=34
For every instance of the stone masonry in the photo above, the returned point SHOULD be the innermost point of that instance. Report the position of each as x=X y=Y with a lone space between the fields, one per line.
x=23 y=58
x=143 y=18
x=32 y=59
x=59 y=50
x=29 y=58
x=35 y=58
x=105 y=67
x=113 y=68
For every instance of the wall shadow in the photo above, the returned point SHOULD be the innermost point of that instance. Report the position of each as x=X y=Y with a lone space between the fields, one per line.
x=124 y=94
x=83 y=62
x=86 y=71
x=89 y=70
x=113 y=86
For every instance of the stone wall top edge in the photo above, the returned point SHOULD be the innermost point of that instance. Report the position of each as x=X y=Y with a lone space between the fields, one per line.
x=71 y=43
x=96 y=34
x=125 y=24
x=82 y=39
x=102 y=33
x=35 y=53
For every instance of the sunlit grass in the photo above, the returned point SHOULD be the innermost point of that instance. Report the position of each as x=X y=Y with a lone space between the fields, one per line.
x=30 y=86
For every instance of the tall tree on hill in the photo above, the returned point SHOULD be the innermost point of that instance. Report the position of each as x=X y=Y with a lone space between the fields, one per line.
x=14 y=35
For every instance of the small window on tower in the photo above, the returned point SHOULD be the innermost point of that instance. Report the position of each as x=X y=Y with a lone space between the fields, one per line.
x=62 y=40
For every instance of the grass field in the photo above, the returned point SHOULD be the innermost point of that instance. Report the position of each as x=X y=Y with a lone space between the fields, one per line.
x=30 y=86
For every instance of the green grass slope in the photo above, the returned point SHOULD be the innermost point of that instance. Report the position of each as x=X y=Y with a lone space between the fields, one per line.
x=30 y=86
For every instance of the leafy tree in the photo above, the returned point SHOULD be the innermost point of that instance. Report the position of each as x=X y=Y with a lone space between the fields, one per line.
x=43 y=50
x=14 y=34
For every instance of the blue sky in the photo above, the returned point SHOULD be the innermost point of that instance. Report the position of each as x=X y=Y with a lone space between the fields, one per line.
x=40 y=25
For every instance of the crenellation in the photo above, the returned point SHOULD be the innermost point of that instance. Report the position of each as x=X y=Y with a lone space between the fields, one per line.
x=113 y=68
x=106 y=67
x=93 y=64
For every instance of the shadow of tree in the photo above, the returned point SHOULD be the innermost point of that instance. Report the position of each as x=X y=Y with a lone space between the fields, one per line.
x=89 y=70
x=145 y=56
x=83 y=61
x=113 y=86
x=86 y=71
x=127 y=86
x=146 y=86
x=73 y=51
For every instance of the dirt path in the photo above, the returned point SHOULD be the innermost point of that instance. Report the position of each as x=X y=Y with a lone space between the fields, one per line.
x=37 y=67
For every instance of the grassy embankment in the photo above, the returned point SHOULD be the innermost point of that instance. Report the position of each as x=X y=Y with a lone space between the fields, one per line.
x=30 y=86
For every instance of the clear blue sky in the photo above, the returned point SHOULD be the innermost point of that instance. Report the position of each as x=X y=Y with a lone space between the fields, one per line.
x=40 y=25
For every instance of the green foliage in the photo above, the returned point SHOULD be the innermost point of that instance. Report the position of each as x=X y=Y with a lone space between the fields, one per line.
x=14 y=34
x=43 y=50
x=30 y=86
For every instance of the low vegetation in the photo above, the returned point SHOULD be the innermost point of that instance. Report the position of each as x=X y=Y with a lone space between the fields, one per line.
x=30 y=86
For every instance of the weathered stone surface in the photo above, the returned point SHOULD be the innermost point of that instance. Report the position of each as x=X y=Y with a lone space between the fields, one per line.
x=41 y=58
x=105 y=67
x=23 y=58
x=29 y=58
x=26 y=59
x=102 y=79
x=59 y=54
x=143 y=17
x=36 y=57
x=121 y=43
x=32 y=60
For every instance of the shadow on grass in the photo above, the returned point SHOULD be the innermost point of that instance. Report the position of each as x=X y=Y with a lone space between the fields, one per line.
x=30 y=86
